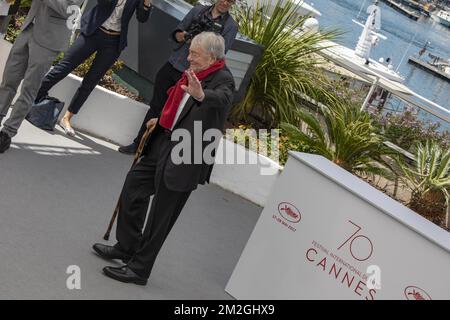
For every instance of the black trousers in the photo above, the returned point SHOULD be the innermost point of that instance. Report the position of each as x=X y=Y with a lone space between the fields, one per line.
x=107 y=51
x=166 y=77
x=142 y=182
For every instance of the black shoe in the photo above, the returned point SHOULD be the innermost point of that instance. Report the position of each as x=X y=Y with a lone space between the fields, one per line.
x=124 y=274
x=110 y=252
x=129 y=149
x=5 y=142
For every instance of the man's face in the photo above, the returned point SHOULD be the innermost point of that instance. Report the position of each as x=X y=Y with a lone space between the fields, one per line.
x=224 y=6
x=198 y=58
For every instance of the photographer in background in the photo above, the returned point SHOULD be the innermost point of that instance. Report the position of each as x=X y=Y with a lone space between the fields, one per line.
x=215 y=18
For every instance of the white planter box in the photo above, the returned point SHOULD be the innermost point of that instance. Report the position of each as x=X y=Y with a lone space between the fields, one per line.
x=326 y=234
x=105 y=114
x=251 y=181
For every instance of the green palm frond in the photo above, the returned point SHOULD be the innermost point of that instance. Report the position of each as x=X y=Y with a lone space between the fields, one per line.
x=345 y=135
x=431 y=169
x=288 y=67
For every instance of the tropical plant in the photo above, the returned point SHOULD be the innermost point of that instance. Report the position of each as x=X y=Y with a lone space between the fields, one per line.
x=287 y=71
x=345 y=135
x=428 y=180
x=25 y=3
x=193 y=2
x=84 y=67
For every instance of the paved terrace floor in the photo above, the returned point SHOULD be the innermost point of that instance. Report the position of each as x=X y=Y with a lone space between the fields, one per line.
x=56 y=198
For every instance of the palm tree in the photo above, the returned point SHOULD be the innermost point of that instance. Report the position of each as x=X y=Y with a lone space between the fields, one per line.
x=344 y=135
x=288 y=68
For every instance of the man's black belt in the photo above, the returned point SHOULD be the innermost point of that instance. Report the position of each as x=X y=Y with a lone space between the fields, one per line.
x=110 y=32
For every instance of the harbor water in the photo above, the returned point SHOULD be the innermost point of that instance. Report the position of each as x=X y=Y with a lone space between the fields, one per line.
x=405 y=38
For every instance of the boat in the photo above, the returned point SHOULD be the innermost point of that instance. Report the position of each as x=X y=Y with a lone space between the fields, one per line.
x=423 y=8
x=412 y=4
x=427 y=8
x=359 y=58
x=356 y=70
x=436 y=65
x=410 y=13
x=443 y=17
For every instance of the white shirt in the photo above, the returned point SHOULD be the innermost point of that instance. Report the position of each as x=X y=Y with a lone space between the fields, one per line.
x=114 y=21
x=180 y=108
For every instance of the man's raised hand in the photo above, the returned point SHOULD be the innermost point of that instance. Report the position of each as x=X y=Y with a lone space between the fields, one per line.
x=194 y=87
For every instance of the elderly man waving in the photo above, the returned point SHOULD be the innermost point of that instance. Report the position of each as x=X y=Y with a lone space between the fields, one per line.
x=198 y=102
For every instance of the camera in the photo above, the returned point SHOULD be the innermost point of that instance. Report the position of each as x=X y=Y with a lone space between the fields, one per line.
x=204 y=23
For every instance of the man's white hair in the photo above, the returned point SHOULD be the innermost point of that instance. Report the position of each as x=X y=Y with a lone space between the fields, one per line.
x=212 y=43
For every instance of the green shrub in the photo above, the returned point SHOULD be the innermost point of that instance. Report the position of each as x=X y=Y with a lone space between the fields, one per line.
x=406 y=130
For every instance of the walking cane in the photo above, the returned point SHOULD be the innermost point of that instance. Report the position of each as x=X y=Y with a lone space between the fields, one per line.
x=136 y=158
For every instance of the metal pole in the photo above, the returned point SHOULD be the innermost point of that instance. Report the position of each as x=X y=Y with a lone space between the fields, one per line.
x=359 y=13
x=372 y=89
x=406 y=51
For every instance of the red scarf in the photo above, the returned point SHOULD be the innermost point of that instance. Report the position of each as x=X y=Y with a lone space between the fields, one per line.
x=176 y=94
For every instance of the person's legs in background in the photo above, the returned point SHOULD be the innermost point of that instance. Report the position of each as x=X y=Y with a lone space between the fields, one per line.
x=107 y=53
x=81 y=50
x=15 y=68
x=78 y=52
x=36 y=61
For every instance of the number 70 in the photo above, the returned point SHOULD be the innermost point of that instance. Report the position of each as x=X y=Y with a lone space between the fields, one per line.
x=355 y=238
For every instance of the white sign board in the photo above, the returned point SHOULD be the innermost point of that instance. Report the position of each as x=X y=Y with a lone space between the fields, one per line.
x=325 y=234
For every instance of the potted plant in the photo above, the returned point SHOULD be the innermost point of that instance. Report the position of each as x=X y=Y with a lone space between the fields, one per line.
x=429 y=181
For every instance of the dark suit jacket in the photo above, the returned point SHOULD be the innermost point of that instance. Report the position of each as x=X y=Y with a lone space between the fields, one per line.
x=212 y=112
x=49 y=19
x=95 y=17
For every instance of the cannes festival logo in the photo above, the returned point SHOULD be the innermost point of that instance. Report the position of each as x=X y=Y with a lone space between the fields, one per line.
x=415 y=293
x=289 y=212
